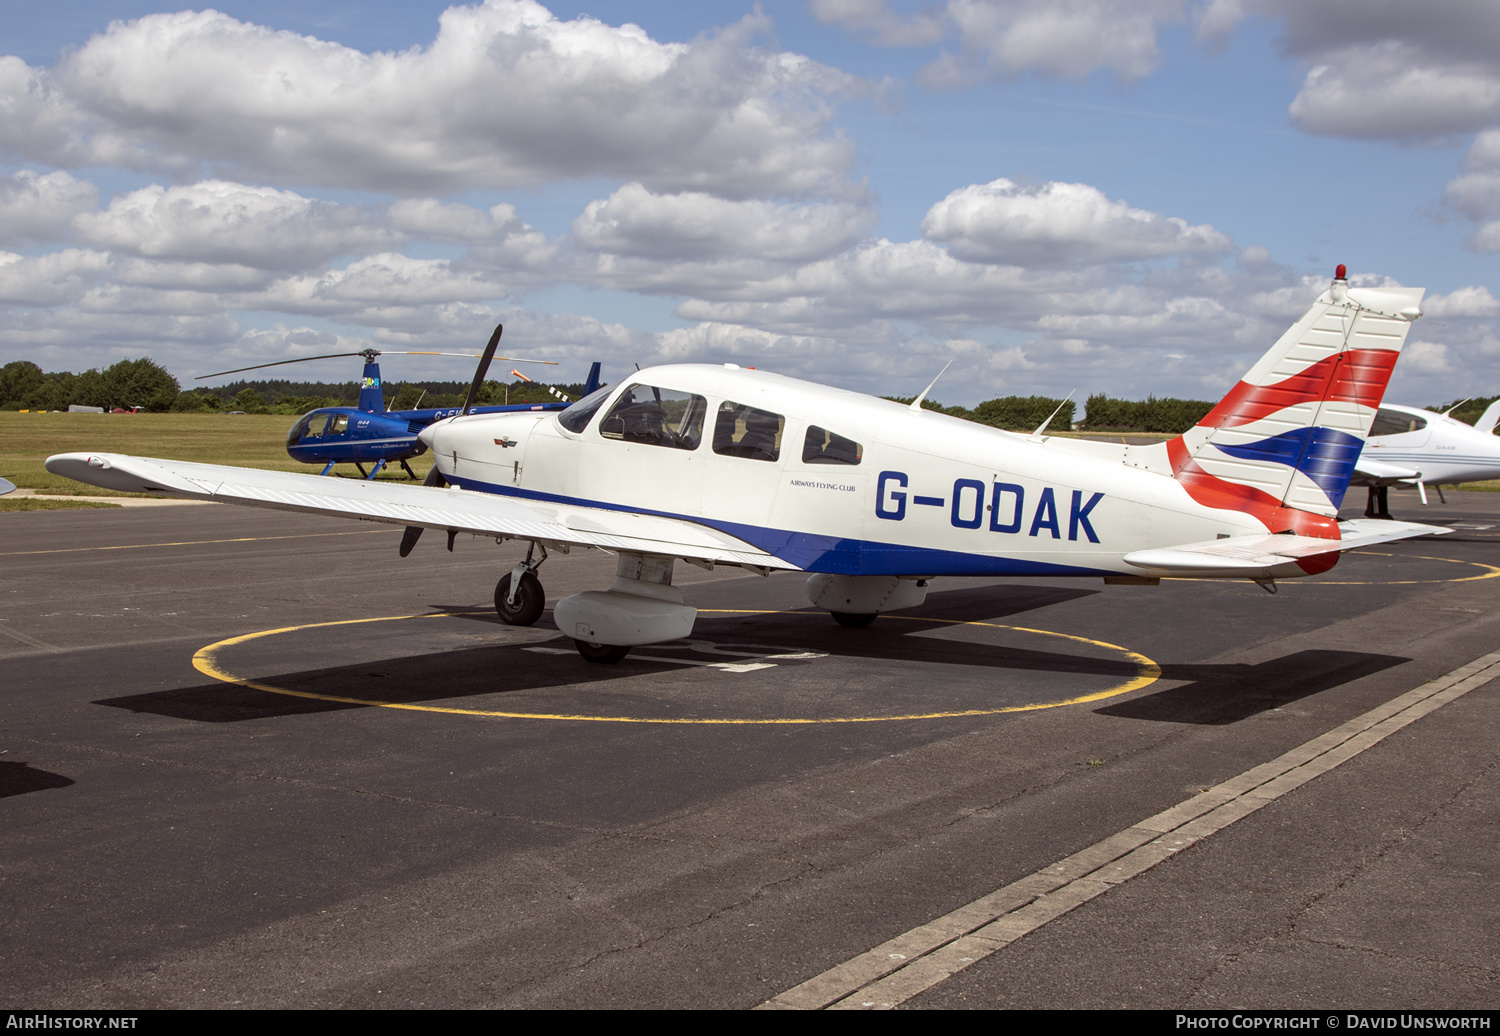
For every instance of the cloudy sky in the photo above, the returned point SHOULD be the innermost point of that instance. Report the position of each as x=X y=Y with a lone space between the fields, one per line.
x=1125 y=196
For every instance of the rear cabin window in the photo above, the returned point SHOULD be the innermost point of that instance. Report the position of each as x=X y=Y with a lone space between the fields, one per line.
x=656 y=416
x=1391 y=422
x=744 y=431
x=824 y=447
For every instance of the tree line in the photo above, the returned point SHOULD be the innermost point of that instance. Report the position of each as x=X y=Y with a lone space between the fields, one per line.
x=1101 y=413
x=145 y=384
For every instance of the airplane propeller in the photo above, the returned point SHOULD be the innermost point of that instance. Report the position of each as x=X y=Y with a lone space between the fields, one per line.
x=413 y=533
x=484 y=368
x=434 y=477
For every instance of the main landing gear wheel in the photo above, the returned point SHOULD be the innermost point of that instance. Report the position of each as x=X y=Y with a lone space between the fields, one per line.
x=852 y=619
x=603 y=653
x=527 y=607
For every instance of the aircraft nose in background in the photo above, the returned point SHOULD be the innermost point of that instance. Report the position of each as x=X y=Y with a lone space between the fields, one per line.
x=428 y=435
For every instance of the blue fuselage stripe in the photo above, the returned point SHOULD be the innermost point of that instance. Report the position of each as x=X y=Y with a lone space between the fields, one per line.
x=835 y=555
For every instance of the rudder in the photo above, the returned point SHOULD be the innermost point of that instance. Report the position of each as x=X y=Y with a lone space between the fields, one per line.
x=1282 y=444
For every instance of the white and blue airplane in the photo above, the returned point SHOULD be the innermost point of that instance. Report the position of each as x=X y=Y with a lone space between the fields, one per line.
x=1411 y=447
x=720 y=465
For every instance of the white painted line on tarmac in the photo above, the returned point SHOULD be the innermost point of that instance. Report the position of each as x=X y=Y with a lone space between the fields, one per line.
x=915 y=961
x=41 y=645
x=728 y=667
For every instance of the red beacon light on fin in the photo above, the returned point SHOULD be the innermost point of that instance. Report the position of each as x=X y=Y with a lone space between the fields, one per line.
x=1341 y=273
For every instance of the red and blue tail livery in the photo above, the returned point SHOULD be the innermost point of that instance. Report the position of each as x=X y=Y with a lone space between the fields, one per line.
x=1283 y=444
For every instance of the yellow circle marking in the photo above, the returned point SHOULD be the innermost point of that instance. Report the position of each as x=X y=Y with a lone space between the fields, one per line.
x=206 y=662
x=1490 y=572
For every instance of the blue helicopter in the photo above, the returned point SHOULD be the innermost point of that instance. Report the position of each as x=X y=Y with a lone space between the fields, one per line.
x=368 y=433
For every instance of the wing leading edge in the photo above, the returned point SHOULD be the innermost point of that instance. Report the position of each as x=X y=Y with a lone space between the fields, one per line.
x=426 y=506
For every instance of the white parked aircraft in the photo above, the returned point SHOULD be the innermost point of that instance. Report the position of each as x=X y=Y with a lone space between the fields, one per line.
x=718 y=465
x=1410 y=447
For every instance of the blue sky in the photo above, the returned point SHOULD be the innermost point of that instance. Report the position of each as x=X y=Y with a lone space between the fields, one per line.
x=1126 y=196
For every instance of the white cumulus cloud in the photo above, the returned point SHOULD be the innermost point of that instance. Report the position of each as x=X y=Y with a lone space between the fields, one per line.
x=685 y=226
x=38 y=207
x=1008 y=38
x=220 y=222
x=507 y=95
x=1052 y=223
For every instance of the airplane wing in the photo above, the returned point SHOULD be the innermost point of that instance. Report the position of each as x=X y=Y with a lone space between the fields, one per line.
x=1268 y=556
x=426 y=506
x=6 y=487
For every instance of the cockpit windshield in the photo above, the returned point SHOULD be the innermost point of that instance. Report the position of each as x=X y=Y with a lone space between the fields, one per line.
x=310 y=426
x=577 y=417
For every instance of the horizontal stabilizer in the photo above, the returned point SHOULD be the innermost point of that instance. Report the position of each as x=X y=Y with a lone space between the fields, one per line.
x=1269 y=556
x=1377 y=473
x=1366 y=532
x=429 y=507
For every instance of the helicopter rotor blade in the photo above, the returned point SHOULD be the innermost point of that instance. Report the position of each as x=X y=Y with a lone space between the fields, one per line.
x=475 y=356
x=277 y=363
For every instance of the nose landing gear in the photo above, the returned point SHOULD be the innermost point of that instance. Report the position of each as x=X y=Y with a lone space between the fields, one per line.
x=519 y=597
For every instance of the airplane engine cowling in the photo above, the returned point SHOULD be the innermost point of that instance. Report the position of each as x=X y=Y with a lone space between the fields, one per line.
x=865 y=595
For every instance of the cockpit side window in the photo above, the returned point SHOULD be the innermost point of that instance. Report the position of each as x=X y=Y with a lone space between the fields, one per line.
x=339 y=425
x=1393 y=422
x=577 y=417
x=824 y=447
x=655 y=416
x=744 y=431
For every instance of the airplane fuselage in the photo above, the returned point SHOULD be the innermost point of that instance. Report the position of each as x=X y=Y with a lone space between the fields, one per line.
x=857 y=486
x=1443 y=449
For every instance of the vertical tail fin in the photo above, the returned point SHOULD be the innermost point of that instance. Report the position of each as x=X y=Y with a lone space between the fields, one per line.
x=592 y=384
x=1489 y=418
x=1283 y=443
x=371 y=395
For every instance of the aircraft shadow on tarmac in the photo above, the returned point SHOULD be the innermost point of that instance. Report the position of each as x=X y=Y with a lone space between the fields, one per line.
x=1222 y=694
x=21 y=779
x=1216 y=694
x=509 y=668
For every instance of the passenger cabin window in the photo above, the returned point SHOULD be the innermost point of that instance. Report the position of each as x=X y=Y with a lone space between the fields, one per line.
x=744 y=431
x=1392 y=422
x=656 y=417
x=339 y=425
x=577 y=417
x=824 y=447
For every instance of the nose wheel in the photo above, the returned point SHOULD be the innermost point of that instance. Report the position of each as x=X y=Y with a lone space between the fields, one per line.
x=523 y=607
x=519 y=597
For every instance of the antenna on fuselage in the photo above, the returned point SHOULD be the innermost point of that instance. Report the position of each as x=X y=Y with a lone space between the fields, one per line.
x=1036 y=436
x=916 y=404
